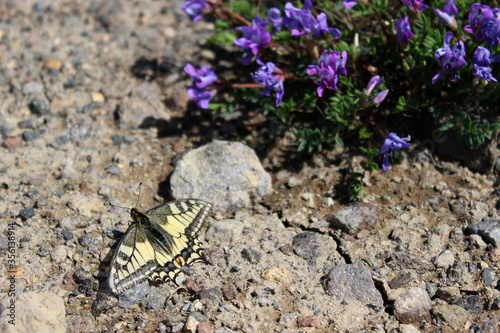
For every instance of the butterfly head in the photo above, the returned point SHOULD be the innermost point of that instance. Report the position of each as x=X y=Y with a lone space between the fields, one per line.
x=139 y=217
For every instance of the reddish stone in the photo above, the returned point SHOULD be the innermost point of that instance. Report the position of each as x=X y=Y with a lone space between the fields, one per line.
x=309 y=321
x=12 y=142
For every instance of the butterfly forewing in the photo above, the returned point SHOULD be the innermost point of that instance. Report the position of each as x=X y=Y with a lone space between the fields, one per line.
x=158 y=243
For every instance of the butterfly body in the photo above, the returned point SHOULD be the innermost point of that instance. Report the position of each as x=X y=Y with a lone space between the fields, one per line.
x=158 y=243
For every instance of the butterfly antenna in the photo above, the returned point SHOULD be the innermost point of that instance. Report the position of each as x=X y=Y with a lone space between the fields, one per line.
x=139 y=196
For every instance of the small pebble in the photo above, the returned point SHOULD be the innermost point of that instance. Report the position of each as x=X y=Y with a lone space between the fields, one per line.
x=30 y=136
x=26 y=213
x=84 y=240
x=68 y=235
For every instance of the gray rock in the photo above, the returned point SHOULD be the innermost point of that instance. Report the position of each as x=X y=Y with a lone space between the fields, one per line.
x=39 y=106
x=309 y=245
x=229 y=175
x=354 y=218
x=431 y=289
x=471 y=303
x=453 y=315
x=30 y=136
x=296 y=218
x=413 y=306
x=224 y=231
x=32 y=88
x=26 y=213
x=31 y=123
x=402 y=260
x=85 y=240
x=251 y=255
x=433 y=200
x=73 y=222
x=488 y=276
x=77 y=133
x=489 y=230
x=401 y=280
x=209 y=297
x=488 y=327
x=445 y=260
x=102 y=303
x=133 y=295
x=155 y=299
x=143 y=108
x=353 y=281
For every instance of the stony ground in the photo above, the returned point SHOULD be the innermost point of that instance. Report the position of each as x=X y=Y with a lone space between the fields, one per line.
x=92 y=103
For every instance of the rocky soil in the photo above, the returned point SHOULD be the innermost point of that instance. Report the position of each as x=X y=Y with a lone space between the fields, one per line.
x=93 y=103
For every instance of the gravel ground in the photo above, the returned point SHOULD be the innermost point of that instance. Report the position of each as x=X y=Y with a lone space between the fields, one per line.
x=93 y=102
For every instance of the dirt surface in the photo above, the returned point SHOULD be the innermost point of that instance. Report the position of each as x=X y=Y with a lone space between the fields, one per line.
x=78 y=80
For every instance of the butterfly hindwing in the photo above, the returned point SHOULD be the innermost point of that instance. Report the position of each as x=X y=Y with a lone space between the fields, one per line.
x=158 y=243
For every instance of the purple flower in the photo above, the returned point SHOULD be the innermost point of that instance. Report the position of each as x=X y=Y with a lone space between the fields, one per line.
x=201 y=80
x=403 y=30
x=254 y=38
x=303 y=23
x=194 y=8
x=417 y=5
x=349 y=3
x=448 y=14
x=479 y=16
x=274 y=15
x=271 y=82
x=484 y=23
x=370 y=87
x=451 y=59
x=319 y=27
x=201 y=96
x=380 y=97
x=330 y=65
x=481 y=63
x=391 y=144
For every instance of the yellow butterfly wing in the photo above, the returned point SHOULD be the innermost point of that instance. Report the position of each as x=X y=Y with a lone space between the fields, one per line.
x=158 y=243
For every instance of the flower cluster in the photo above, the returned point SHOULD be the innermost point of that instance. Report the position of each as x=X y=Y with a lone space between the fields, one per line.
x=447 y=15
x=302 y=22
x=416 y=5
x=484 y=23
x=451 y=58
x=202 y=79
x=481 y=63
x=194 y=8
x=270 y=82
x=330 y=65
x=254 y=39
x=391 y=144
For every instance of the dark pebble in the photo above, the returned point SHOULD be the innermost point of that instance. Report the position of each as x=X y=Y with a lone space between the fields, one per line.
x=488 y=276
x=80 y=276
x=471 y=303
x=30 y=136
x=31 y=123
x=39 y=106
x=117 y=139
x=71 y=83
x=253 y=256
x=43 y=251
x=84 y=240
x=68 y=235
x=496 y=304
x=26 y=213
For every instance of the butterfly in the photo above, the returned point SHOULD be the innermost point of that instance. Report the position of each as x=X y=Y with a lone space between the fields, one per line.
x=158 y=243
